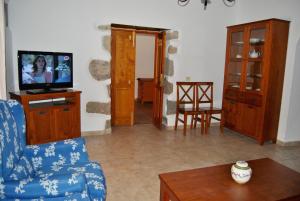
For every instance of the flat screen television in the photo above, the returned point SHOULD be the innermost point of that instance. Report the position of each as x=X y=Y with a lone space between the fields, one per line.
x=45 y=71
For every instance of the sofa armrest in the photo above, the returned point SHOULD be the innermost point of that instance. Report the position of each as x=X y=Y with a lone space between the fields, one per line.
x=71 y=151
x=49 y=186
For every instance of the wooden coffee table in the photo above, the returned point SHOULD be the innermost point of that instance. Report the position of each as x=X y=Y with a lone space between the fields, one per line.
x=270 y=181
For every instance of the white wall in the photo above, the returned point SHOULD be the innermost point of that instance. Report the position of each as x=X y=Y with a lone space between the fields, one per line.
x=289 y=10
x=293 y=126
x=144 y=63
x=71 y=26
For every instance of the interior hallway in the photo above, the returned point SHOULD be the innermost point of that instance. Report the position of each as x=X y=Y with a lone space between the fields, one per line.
x=132 y=157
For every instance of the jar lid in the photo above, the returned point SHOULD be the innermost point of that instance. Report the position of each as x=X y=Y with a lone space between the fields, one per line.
x=242 y=164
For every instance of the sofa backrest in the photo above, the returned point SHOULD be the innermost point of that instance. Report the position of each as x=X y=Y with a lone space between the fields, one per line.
x=10 y=138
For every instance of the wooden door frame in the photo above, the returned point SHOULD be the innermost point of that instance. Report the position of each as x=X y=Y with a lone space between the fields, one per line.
x=157 y=32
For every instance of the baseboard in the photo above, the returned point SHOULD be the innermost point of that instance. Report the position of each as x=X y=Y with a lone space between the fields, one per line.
x=98 y=132
x=289 y=143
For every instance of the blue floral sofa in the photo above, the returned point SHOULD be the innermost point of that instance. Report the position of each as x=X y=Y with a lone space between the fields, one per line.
x=54 y=171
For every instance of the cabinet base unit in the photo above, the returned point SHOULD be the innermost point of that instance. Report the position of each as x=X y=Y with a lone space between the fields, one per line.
x=50 y=116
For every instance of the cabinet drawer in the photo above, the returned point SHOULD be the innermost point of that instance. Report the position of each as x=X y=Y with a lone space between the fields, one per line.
x=253 y=99
x=231 y=94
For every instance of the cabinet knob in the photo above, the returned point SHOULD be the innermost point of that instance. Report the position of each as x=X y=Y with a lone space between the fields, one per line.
x=66 y=109
x=42 y=112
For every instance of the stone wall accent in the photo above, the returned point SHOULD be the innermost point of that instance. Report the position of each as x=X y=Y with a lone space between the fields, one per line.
x=107 y=124
x=165 y=120
x=172 y=35
x=169 y=67
x=168 y=87
x=108 y=89
x=106 y=40
x=99 y=69
x=172 y=49
x=98 y=107
x=171 y=107
x=104 y=27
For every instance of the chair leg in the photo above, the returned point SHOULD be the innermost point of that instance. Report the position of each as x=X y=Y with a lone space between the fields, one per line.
x=222 y=122
x=202 y=122
x=207 y=117
x=195 y=120
x=176 y=120
x=209 y=120
x=184 y=123
x=192 y=122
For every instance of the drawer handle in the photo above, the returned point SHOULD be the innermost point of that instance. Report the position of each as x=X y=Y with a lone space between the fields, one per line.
x=66 y=109
x=42 y=112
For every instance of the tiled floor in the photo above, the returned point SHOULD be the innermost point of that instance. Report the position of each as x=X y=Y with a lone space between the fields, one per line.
x=132 y=157
x=143 y=113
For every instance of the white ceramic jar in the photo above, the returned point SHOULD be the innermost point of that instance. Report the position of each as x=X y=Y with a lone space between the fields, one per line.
x=241 y=172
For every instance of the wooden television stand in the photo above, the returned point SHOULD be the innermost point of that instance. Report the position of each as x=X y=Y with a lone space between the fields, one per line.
x=50 y=116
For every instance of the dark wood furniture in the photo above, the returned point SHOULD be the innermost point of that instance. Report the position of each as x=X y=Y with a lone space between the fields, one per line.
x=145 y=89
x=270 y=181
x=204 y=95
x=51 y=116
x=186 y=104
x=253 y=80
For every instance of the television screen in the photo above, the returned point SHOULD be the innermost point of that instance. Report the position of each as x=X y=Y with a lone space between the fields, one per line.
x=40 y=70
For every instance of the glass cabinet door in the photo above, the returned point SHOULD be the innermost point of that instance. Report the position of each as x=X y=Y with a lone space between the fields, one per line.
x=254 y=71
x=235 y=62
x=254 y=76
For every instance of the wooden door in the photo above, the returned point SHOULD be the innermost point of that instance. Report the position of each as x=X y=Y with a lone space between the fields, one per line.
x=160 y=43
x=123 y=74
x=230 y=113
x=249 y=119
x=40 y=126
x=66 y=124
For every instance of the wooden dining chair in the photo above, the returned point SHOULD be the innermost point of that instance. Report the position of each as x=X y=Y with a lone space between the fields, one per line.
x=204 y=104
x=185 y=103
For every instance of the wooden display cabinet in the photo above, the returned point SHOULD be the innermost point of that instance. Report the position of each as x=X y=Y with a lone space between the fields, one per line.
x=51 y=116
x=253 y=80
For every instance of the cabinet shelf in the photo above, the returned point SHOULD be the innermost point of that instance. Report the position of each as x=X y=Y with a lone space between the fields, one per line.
x=235 y=74
x=261 y=43
x=255 y=75
x=236 y=59
x=259 y=59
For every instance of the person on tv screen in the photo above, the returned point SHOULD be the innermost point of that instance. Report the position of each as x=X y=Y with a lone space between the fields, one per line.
x=39 y=71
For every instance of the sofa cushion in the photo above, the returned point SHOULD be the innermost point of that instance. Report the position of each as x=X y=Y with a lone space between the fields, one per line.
x=92 y=171
x=9 y=140
x=47 y=185
x=22 y=170
x=17 y=112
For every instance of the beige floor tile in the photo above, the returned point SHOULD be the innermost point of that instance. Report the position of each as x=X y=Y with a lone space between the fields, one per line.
x=133 y=157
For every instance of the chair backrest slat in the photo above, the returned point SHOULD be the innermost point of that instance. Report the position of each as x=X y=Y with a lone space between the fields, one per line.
x=204 y=93
x=186 y=94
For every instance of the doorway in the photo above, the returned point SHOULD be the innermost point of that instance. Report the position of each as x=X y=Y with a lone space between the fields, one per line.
x=123 y=71
x=144 y=77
